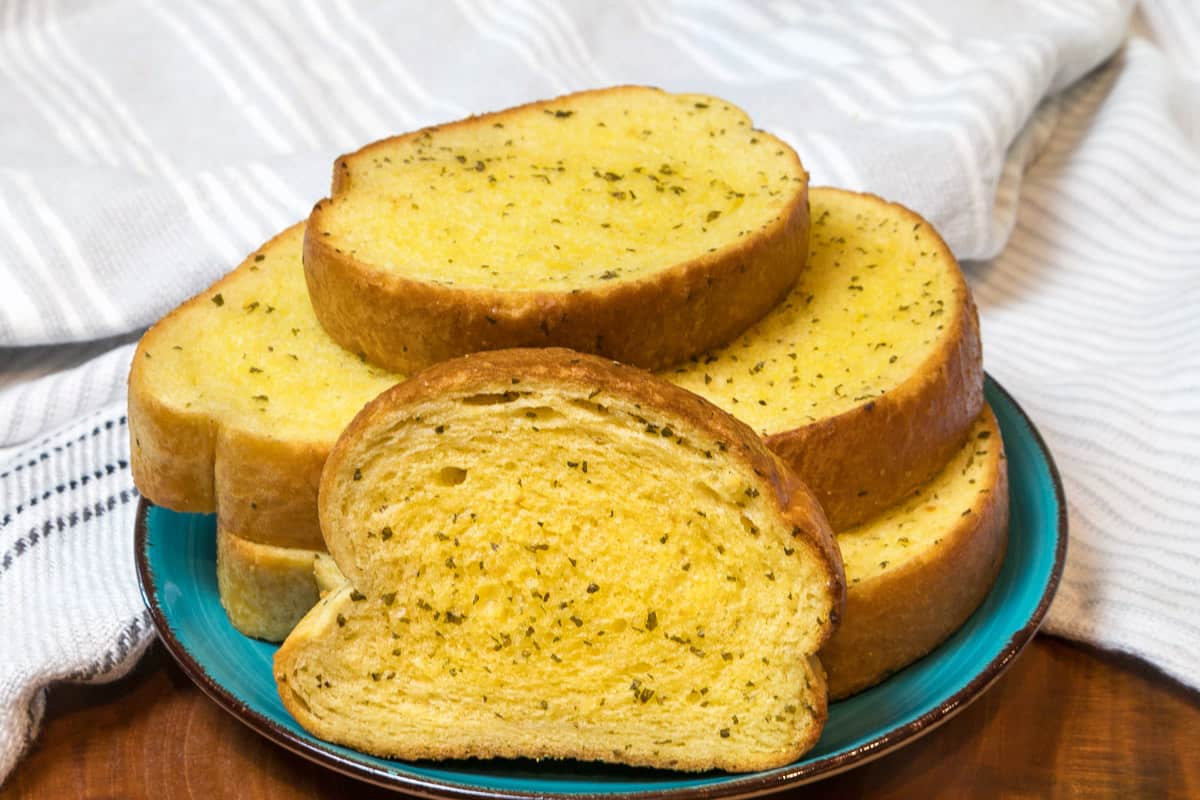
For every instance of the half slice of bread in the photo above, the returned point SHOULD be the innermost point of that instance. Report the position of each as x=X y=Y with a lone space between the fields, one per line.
x=630 y=222
x=264 y=589
x=554 y=556
x=236 y=397
x=917 y=572
x=868 y=376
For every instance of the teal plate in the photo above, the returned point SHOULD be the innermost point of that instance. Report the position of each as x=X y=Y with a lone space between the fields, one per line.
x=176 y=556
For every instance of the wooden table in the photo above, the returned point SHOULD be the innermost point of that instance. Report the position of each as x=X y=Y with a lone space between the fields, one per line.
x=1065 y=721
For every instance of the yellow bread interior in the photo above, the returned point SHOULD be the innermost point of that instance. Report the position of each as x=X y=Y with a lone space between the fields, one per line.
x=250 y=353
x=563 y=195
x=909 y=534
x=326 y=573
x=913 y=529
x=548 y=572
x=869 y=310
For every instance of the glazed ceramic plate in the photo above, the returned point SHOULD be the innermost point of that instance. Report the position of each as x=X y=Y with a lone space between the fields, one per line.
x=176 y=563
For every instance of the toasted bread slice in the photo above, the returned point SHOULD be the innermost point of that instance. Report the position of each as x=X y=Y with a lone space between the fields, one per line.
x=264 y=589
x=236 y=397
x=630 y=222
x=202 y=440
x=868 y=376
x=554 y=556
x=915 y=573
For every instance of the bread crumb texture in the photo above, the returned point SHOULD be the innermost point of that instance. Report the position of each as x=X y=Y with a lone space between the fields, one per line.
x=878 y=297
x=548 y=571
x=569 y=194
x=250 y=354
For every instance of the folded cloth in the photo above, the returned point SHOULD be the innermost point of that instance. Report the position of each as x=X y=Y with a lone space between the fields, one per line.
x=148 y=147
x=69 y=600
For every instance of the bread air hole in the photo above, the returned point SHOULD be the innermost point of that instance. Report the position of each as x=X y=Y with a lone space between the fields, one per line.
x=708 y=491
x=542 y=413
x=450 y=476
x=490 y=399
x=587 y=405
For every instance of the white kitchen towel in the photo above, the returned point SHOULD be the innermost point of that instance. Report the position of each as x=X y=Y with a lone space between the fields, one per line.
x=145 y=147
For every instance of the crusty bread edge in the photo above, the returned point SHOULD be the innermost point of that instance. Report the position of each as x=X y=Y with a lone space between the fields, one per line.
x=263 y=489
x=900 y=615
x=654 y=321
x=864 y=460
x=265 y=590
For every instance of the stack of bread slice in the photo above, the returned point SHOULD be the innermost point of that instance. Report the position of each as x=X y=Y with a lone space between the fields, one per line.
x=235 y=400
x=659 y=230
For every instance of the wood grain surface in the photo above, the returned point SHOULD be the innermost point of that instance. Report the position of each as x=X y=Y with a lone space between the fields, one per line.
x=1064 y=722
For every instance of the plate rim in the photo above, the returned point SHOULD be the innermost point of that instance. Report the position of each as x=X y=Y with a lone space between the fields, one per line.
x=751 y=785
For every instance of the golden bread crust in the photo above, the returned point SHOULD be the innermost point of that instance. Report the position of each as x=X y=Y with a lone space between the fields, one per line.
x=262 y=488
x=265 y=590
x=171 y=454
x=864 y=460
x=653 y=321
x=899 y=615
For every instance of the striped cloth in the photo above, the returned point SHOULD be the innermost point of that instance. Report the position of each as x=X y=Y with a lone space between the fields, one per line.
x=145 y=147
